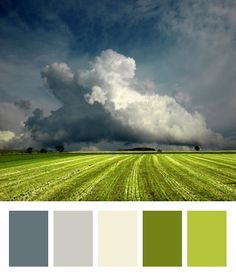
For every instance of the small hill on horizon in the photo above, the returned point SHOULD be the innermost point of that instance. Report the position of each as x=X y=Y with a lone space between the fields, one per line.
x=138 y=149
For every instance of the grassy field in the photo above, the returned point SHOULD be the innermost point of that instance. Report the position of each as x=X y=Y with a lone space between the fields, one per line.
x=118 y=176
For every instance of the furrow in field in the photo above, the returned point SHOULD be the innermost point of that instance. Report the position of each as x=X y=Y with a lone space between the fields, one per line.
x=218 y=162
x=117 y=186
x=30 y=189
x=65 y=189
x=184 y=190
x=150 y=179
x=222 y=174
x=131 y=183
x=27 y=168
x=40 y=176
x=101 y=186
x=157 y=183
x=114 y=185
x=144 y=168
x=213 y=189
x=227 y=158
x=30 y=160
x=163 y=190
x=174 y=182
x=189 y=178
x=78 y=170
x=40 y=171
x=112 y=188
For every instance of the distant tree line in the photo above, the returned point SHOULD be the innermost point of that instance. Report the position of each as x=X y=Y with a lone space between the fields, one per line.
x=59 y=148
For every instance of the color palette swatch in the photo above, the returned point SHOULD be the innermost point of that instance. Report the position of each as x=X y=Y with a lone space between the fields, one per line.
x=206 y=238
x=73 y=238
x=28 y=238
x=119 y=237
x=162 y=238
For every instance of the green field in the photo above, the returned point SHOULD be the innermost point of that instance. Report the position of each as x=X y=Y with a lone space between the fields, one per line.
x=118 y=176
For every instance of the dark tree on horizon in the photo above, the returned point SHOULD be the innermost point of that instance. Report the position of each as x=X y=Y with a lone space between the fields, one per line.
x=29 y=150
x=197 y=148
x=60 y=148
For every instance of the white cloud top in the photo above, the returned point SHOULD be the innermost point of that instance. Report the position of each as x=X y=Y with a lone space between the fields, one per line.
x=6 y=136
x=154 y=117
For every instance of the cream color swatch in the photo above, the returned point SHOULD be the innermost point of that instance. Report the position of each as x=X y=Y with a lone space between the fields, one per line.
x=117 y=238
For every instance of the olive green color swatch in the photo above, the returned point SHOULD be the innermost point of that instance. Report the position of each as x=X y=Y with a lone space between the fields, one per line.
x=207 y=238
x=162 y=238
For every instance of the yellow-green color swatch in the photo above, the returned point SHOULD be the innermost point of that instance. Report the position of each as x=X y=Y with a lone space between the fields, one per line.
x=162 y=238
x=207 y=238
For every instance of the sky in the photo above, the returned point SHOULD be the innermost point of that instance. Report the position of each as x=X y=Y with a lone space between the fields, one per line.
x=104 y=75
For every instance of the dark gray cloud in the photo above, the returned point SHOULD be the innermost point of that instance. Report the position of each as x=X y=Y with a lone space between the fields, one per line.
x=12 y=128
x=11 y=117
x=23 y=105
x=76 y=121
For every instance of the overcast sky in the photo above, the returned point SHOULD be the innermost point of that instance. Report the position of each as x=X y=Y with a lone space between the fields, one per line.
x=115 y=74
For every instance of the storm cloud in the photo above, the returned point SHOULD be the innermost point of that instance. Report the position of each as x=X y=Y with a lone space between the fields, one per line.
x=175 y=84
x=107 y=102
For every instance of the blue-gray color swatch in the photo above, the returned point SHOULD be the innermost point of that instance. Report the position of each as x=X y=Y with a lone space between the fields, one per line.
x=28 y=238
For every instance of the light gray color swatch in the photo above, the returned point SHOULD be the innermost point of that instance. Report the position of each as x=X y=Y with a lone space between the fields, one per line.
x=28 y=238
x=73 y=238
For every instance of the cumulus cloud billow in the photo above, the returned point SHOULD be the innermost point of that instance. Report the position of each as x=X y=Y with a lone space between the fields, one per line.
x=107 y=102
